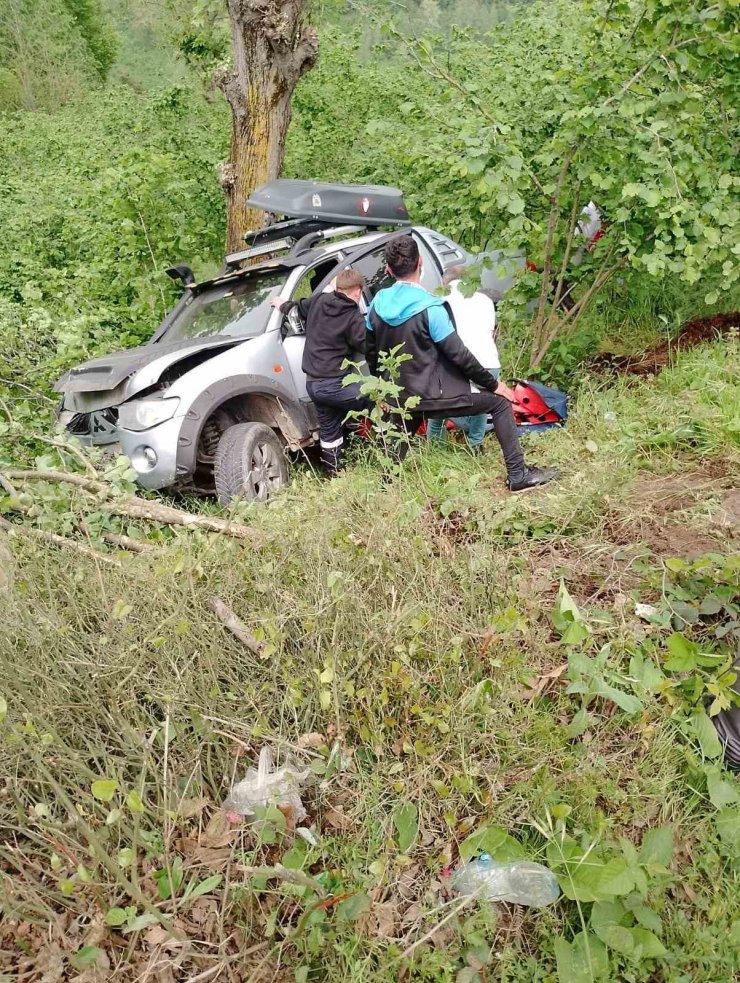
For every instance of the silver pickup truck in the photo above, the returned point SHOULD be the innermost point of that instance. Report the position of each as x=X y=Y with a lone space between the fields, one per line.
x=217 y=399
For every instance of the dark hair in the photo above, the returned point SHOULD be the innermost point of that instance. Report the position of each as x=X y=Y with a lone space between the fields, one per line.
x=402 y=256
x=454 y=273
x=350 y=280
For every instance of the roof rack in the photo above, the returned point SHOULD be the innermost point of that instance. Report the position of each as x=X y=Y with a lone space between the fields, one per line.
x=312 y=239
x=294 y=237
x=293 y=228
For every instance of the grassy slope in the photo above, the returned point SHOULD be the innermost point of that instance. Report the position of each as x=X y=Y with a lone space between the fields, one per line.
x=412 y=623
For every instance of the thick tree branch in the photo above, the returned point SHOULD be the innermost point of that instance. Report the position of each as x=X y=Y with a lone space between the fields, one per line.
x=140 y=508
x=236 y=626
x=30 y=532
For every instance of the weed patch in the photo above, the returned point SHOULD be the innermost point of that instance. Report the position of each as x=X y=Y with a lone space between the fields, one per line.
x=452 y=666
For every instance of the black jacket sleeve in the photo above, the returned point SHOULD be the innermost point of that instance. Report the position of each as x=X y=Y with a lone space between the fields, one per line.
x=303 y=305
x=356 y=333
x=454 y=351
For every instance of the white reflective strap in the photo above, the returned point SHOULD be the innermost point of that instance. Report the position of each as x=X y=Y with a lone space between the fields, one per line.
x=330 y=445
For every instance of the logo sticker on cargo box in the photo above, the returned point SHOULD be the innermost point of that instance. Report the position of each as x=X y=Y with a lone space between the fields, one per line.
x=316 y=201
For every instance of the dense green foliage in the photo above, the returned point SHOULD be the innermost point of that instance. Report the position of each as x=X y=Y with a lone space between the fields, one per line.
x=501 y=143
x=52 y=50
x=93 y=213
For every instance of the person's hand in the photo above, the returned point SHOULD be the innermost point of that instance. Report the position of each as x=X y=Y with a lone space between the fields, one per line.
x=277 y=302
x=503 y=390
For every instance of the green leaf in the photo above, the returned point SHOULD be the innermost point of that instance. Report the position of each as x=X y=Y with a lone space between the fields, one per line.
x=721 y=792
x=646 y=672
x=683 y=654
x=728 y=826
x=104 y=789
x=625 y=701
x=606 y=913
x=566 y=610
x=495 y=841
x=133 y=801
x=575 y=633
x=648 y=918
x=579 y=724
x=657 y=846
x=140 y=922
x=406 y=821
x=3 y=708
x=703 y=729
x=204 y=887
x=125 y=857
x=618 y=937
x=647 y=945
x=121 y=609
x=585 y=960
x=86 y=957
x=351 y=908
x=169 y=881
x=616 y=878
x=116 y=917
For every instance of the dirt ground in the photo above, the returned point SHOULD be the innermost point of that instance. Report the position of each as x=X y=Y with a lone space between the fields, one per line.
x=655 y=359
x=660 y=515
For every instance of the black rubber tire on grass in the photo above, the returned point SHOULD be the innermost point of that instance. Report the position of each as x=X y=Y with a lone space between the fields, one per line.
x=249 y=463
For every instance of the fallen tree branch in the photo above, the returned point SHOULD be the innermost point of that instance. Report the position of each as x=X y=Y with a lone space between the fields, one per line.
x=116 y=539
x=89 y=484
x=140 y=508
x=29 y=532
x=7 y=486
x=236 y=626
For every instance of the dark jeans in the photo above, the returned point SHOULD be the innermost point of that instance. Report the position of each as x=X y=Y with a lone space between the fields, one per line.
x=333 y=402
x=504 y=426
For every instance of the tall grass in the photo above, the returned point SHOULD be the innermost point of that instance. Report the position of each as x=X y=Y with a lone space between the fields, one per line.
x=407 y=624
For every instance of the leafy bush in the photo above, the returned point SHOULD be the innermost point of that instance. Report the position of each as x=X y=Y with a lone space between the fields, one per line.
x=92 y=214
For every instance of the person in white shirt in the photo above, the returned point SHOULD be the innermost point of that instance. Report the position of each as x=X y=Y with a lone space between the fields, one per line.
x=475 y=321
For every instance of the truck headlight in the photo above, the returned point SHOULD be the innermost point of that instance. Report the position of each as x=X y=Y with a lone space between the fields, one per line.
x=143 y=414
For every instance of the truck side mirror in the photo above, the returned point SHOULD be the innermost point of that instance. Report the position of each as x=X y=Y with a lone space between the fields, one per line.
x=182 y=273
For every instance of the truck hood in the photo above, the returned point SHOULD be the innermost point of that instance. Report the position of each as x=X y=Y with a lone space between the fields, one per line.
x=111 y=379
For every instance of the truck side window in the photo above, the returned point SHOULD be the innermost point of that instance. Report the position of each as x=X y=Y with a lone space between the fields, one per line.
x=372 y=267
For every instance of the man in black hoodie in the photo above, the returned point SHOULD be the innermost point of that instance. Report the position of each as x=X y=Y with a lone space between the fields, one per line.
x=335 y=332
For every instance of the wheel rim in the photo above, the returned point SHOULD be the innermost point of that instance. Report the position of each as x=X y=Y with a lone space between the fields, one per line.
x=265 y=475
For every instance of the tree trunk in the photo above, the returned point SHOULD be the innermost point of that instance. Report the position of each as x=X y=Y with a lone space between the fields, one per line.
x=273 y=47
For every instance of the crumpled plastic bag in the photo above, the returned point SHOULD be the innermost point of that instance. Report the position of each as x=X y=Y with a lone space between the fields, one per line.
x=262 y=787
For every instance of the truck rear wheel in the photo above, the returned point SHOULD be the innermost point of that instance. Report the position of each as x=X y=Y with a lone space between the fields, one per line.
x=249 y=463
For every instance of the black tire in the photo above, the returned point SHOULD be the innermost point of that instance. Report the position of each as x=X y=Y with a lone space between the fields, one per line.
x=249 y=463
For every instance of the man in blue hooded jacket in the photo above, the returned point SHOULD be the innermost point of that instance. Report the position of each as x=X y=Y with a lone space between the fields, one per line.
x=445 y=376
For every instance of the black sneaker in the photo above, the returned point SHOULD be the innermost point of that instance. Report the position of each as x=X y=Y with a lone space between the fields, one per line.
x=531 y=478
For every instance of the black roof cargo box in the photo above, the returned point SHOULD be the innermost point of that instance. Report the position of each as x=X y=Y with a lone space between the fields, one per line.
x=354 y=204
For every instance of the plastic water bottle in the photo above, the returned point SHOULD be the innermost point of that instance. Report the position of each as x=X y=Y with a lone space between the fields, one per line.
x=517 y=881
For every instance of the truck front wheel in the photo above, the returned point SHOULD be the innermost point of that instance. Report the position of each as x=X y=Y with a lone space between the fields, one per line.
x=249 y=463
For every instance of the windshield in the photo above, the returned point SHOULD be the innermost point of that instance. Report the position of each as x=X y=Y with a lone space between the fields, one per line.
x=236 y=310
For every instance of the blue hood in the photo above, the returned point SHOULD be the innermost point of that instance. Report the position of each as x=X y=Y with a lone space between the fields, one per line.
x=398 y=303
